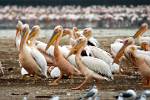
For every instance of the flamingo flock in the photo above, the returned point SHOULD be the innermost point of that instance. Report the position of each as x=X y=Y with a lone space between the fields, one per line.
x=69 y=16
x=81 y=57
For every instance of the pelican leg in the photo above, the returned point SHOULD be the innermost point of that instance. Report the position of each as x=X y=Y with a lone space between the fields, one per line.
x=83 y=83
x=36 y=78
x=56 y=82
x=1 y=68
x=77 y=72
x=146 y=82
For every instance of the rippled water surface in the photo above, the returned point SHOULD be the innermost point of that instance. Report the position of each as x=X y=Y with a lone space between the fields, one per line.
x=96 y=32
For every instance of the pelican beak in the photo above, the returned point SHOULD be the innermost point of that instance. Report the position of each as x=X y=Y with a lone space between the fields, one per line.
x=34 y=32
x=52 y=39
x=143 y=28
x=25 y=31
x=144 y=46
x=65 y=32
x=31 y=35
x=72 y=51
x=17 y=31
x=120 y=54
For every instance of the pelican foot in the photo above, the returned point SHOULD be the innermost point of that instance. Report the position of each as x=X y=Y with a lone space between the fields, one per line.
x=25 y=77
x=37 y=78
x=77 y=88
x=53 y=84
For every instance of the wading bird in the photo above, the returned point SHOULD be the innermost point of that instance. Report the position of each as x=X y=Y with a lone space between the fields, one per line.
x=29 y=57
x=116 y=46
x=139 y=58
x=19 y=28
x=64 y=66
x=127 y=95
x=90 y=67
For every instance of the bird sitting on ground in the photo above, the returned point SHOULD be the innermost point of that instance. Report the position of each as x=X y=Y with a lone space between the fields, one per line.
x=92 y=93
x=127 y=95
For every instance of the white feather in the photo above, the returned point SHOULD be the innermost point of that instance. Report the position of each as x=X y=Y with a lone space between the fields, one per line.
x=18 y=40
x=40 y=59
x=97 y=65
x=23 y=71
x=101 y=54
x=42 y=46
x=55 y=72
x=94 y=64
x=94 y=41
x=143 y=52
x=115 y=47
x=114 y=68
x=142 y=39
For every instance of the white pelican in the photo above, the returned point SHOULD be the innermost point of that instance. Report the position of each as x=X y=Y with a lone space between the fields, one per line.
x=141 y=61
x=64 y=66
x=94 y=52
x=116 y=46
x=99 y=53
x=90 y=67
x=138 y=36
x=87 y=32
x=29 y=57
x=19 y=28
x=139 y=58
x=127 y=42
x=54 y=72
x=105 y=56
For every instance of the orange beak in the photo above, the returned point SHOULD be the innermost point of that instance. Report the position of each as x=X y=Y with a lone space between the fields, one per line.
x=17 y=31
x=143 y=28
x=120 y=53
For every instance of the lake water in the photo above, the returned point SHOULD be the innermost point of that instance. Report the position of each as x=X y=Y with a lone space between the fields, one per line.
x=10 y=33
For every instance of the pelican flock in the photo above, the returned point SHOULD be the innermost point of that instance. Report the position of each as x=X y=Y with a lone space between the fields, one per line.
x=81 y=57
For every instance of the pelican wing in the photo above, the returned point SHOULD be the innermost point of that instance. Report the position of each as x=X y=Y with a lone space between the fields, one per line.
x=23 y=71
x=115 y=47
x=101 y=54
x=97 y=65
x=65 y=52
x=39 y=58
x=94 y=42
x=41 y=45
x=143 y=52
x=145 y=39
x=147 y=60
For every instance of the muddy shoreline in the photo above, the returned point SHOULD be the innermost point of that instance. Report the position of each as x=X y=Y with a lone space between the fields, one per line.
x=13 y=87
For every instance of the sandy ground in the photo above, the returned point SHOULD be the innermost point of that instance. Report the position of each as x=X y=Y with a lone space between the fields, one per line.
x=12 y=87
